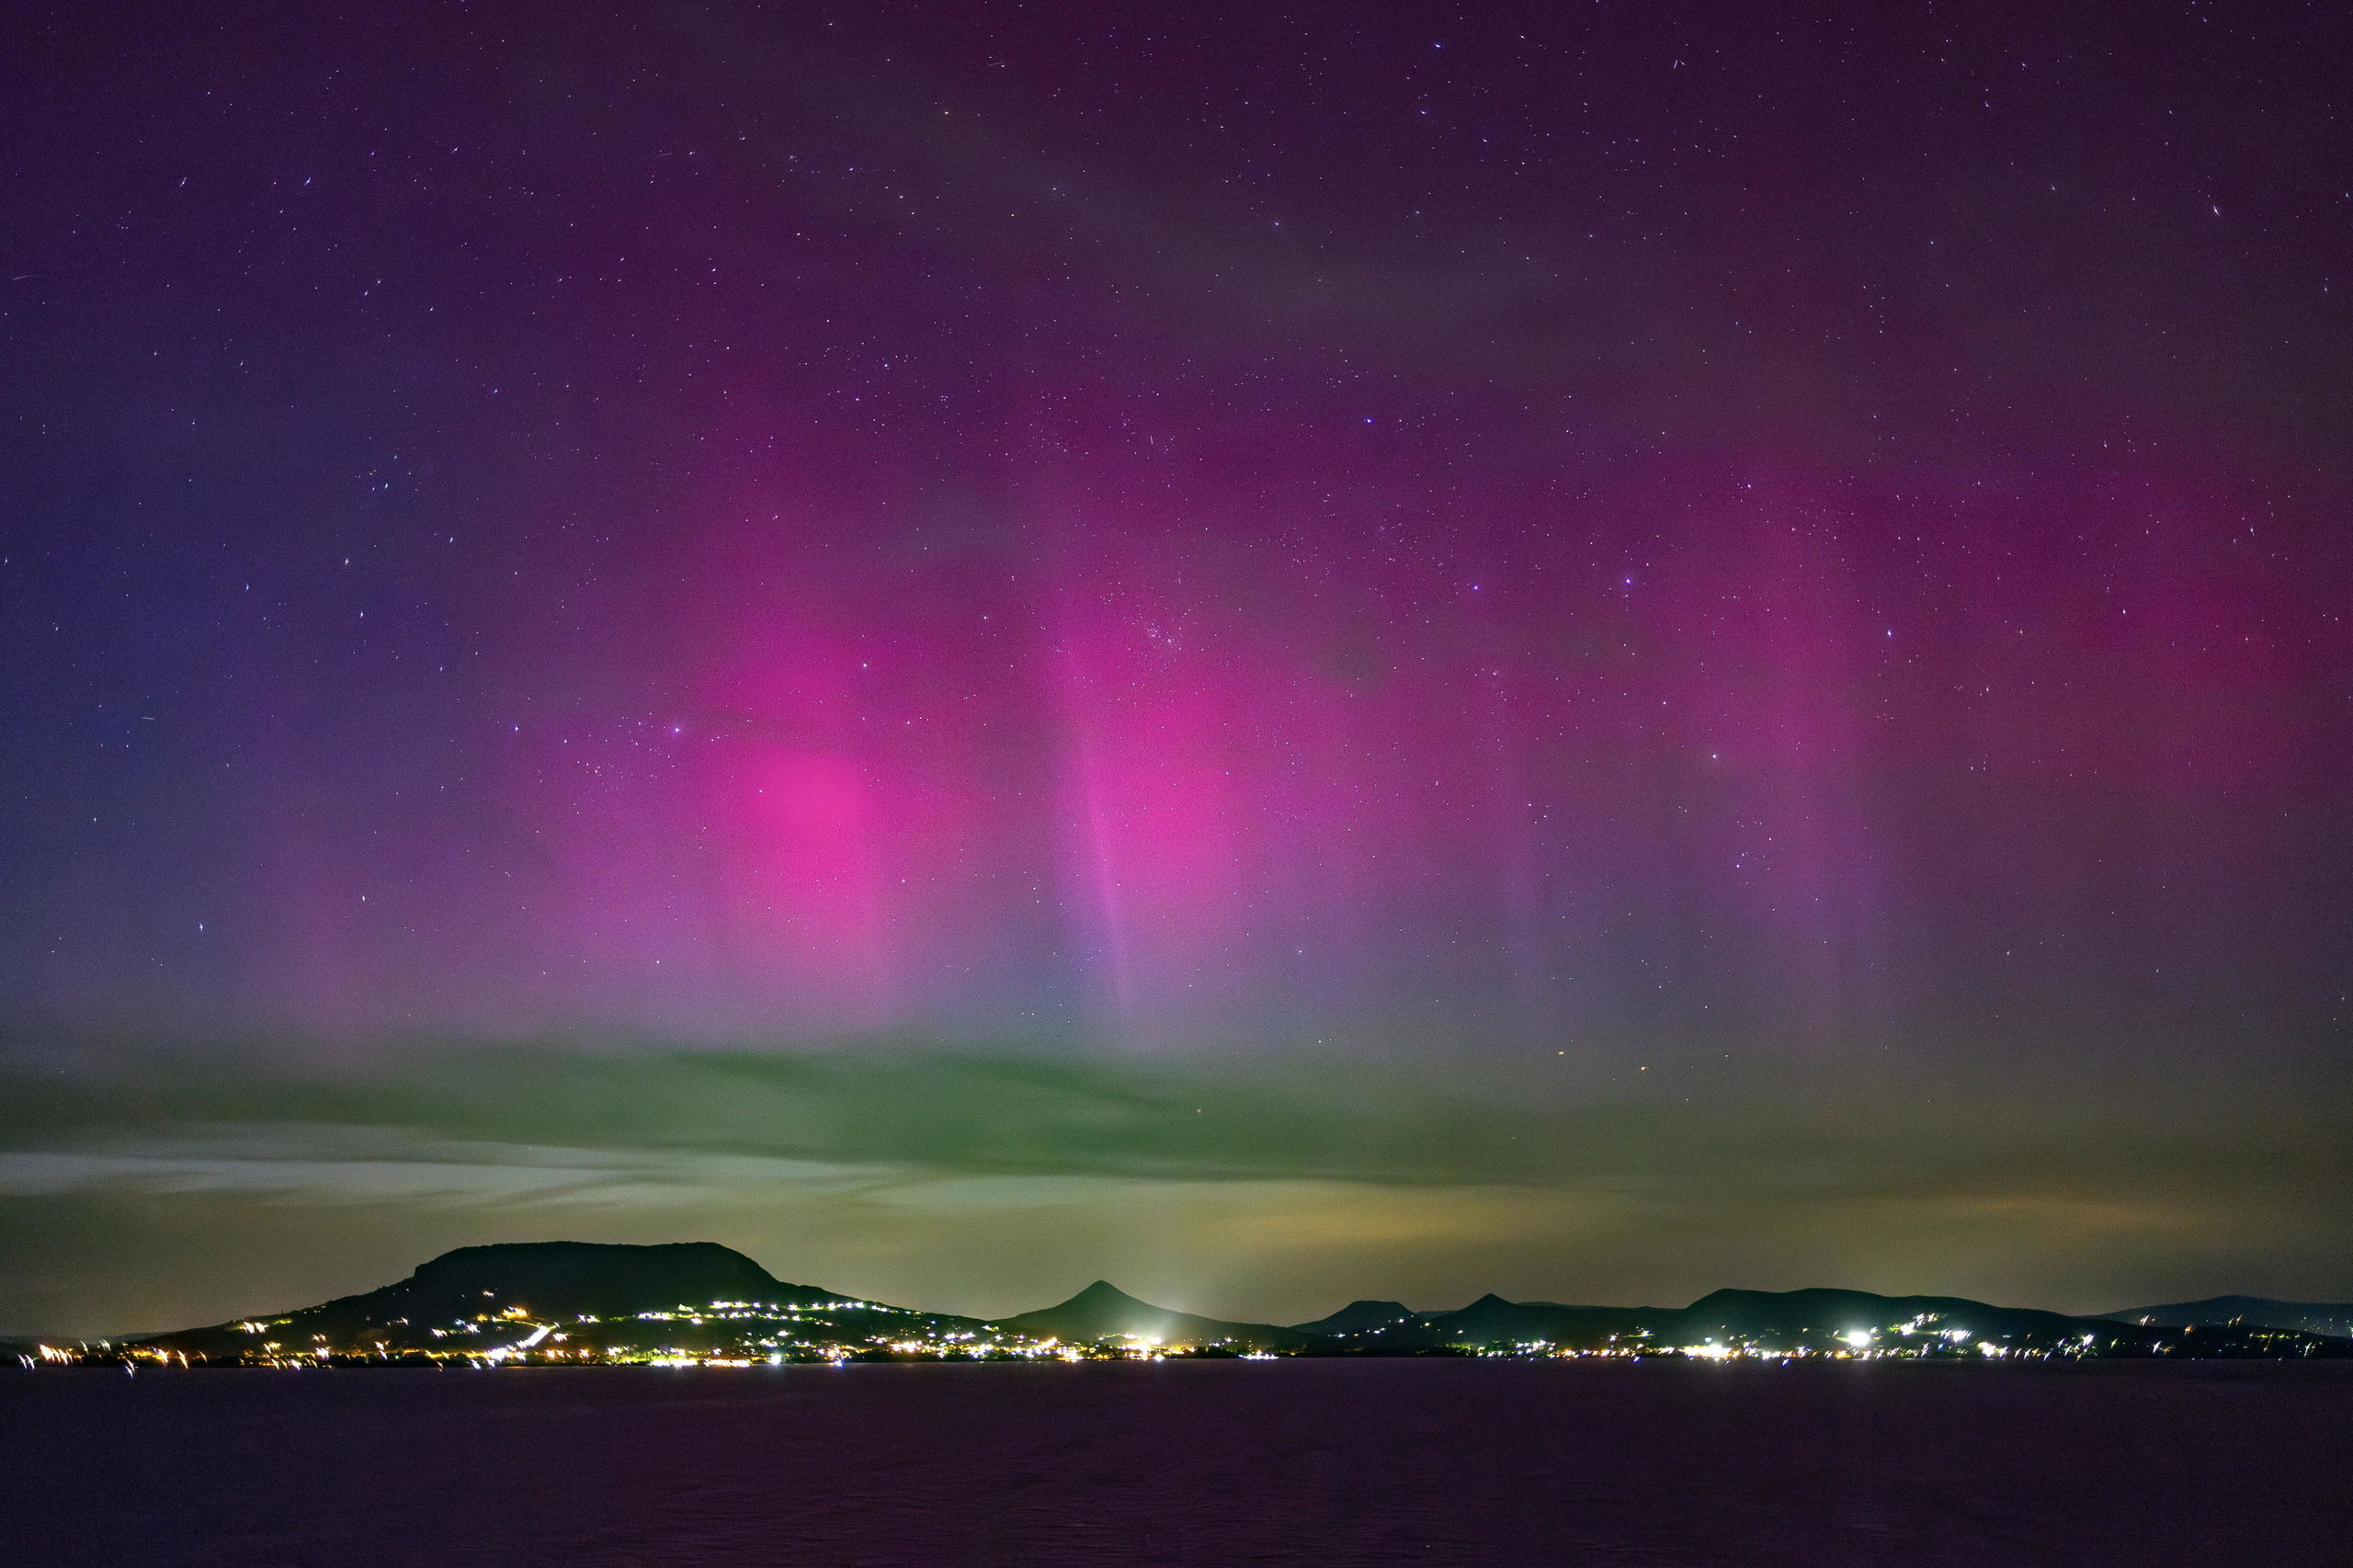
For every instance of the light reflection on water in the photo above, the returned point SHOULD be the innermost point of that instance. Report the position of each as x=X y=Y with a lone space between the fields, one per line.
x=1317 y=1462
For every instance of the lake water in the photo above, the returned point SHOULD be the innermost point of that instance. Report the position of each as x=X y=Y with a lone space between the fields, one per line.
x=1194 y=1463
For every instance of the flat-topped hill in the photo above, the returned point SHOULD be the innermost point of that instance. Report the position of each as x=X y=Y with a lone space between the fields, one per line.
x=565 y=1278
x=460 y=1292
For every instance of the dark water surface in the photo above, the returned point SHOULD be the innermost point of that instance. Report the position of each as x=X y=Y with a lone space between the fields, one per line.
x=1322 y=1462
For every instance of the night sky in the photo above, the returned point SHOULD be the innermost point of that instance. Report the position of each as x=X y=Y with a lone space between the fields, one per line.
x=1285 y=652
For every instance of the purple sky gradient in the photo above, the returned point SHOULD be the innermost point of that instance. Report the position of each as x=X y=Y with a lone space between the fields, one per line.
x=1583 y=539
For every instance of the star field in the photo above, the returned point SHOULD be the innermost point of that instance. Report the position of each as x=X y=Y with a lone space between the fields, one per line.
x=1581 y=540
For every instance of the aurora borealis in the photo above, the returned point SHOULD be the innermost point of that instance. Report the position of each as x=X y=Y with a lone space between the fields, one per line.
x=1594 y=651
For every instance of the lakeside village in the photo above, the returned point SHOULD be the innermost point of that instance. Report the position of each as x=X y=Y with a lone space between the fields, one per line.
x=699 y=1304
x=748 y=1334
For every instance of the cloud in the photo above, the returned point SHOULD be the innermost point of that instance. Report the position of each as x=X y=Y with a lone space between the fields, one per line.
x=385 y=1164
x=1689 y=1130
x=988 y=1183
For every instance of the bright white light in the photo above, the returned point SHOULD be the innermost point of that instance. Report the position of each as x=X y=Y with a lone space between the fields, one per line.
x=1858 y=1337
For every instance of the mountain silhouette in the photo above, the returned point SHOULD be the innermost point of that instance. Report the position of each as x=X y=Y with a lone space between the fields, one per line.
x=1361 y=1317
x=1103 y=1311
x=567 y=1277
x=1822 y=1320
x=1825 y=1318
x=575 y=1301
x=492 y=1296
x=1492 y=1322
x=2255 y=1312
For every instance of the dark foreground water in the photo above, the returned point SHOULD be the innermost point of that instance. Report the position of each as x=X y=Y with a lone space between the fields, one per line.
x=1427 y=1461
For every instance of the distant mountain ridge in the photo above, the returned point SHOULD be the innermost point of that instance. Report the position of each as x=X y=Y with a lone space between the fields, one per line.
x=1817 y=1320
x=2258 y=1311
x=558 y=1301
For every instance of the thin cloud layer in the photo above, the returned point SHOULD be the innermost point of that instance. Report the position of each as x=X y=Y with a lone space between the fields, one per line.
x=990 y=1182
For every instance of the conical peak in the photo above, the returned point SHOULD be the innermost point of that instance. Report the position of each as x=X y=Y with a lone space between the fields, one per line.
x=1104 y=1293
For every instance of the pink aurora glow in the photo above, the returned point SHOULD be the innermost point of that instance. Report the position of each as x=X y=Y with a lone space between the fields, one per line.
x=1179 y=766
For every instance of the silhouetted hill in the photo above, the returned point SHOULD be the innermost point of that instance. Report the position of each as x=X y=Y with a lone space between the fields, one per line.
x=1827 y=1318
x=1358 y=1317
x=1103 y=1311
x=683 y=1297
x=567 y=1277
x=1492 y=1323
x=1822 y=1320
x=2255 y=1312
